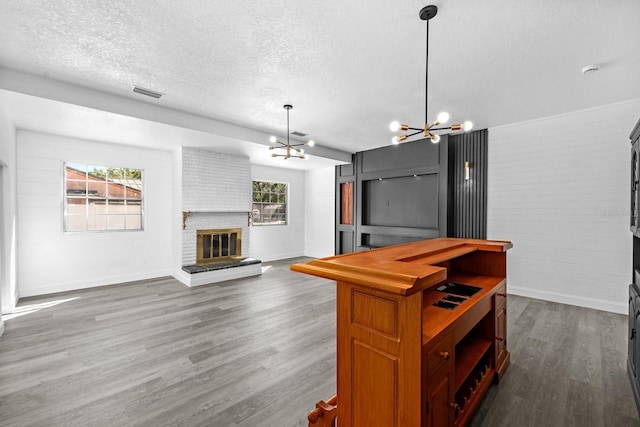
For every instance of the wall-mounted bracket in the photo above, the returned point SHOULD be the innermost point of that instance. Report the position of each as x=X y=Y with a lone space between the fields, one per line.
x=185 y=215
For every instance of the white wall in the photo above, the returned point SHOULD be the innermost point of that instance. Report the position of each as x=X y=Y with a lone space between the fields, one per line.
x=176 y=213
x=275 y=242
x=559 y=190
x=8 y=291
x=50 y=260
x=319 y=212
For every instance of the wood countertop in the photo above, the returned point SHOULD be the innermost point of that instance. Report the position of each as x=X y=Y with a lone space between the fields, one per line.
x=401 y=269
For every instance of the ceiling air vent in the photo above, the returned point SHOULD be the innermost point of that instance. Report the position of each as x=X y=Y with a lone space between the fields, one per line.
x=300 y=134
x=147 y=92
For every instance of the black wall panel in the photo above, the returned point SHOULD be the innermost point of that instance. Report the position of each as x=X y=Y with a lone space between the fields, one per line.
x=468 y=198
x=409 y=201
x=406 y=156
x=416 y=191
x=400 y=195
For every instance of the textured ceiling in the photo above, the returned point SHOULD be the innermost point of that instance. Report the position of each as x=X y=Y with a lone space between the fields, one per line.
x=348 y=67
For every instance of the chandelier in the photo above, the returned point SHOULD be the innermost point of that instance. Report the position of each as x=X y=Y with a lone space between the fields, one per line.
x=290 y=149
x=427 y=130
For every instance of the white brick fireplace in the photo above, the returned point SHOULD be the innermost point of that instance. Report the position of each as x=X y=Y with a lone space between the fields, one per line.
x=216 y=194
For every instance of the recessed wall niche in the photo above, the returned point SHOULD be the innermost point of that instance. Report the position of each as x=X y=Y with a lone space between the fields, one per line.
x=407 y=201
x=346 y=203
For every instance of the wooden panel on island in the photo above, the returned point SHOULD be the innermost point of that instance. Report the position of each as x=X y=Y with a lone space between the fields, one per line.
x=421 y=332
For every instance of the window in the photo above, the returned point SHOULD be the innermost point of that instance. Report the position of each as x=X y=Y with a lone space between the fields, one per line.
x=102 y=198
x=269 y=203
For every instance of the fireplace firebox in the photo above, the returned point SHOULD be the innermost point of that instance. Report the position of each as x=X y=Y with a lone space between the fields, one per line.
x=218 y=245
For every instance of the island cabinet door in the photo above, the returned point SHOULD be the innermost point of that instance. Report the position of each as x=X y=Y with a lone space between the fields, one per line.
x=500 y=304
x=501 y=335
x=379 y=348
x=438 y=383
x=439 y=408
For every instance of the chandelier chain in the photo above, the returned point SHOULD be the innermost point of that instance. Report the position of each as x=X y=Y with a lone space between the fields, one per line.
x=426 y=78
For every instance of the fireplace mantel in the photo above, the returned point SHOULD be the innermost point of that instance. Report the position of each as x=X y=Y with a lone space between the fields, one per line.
x=187 y=214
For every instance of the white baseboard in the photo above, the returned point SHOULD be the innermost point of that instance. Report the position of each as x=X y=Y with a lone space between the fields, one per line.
x=586 y=302
x=10 y=305
x=215 y=276
x=318 y=255
x=91 y=283
x=278 y=257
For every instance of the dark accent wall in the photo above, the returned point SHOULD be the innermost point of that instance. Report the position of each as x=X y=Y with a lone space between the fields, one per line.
x=400 y=194
x=402 y=207
x=468 y=198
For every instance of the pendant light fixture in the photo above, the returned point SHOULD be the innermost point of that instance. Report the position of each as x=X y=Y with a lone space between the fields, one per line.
x=290 y=149
x=427 y=130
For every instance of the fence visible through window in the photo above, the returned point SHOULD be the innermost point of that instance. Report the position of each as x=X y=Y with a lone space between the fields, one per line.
x=101 y=198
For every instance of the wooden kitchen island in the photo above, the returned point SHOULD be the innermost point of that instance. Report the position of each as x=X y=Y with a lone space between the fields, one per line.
x=421 y=332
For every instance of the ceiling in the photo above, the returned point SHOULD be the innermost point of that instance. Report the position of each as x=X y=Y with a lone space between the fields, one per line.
x=348 y=67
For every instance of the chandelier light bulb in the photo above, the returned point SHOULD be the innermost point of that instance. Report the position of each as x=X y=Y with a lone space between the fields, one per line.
x=467 y=126
x=311 y=143
x=435 y=138
x=443 y=117
x=395 y=140
x=394 y=126
x=288 y=145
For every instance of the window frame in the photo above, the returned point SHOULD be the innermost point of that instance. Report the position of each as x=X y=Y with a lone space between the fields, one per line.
x=286 y=194
x=87 y=195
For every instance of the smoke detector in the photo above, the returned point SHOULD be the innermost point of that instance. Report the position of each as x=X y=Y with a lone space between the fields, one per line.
x=590 y=69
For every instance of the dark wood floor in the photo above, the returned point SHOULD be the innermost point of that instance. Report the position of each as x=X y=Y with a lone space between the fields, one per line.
x=568 y=368
x=261 y=351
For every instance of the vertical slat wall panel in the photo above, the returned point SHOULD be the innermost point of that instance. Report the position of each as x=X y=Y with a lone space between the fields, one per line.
x=469 y=197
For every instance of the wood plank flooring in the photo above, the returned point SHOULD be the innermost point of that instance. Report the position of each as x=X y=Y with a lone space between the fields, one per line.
x=568 y=368
x=260 y=351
